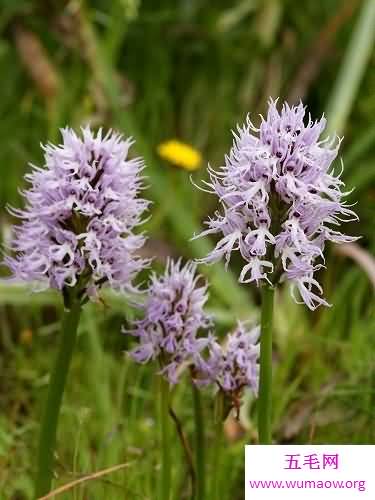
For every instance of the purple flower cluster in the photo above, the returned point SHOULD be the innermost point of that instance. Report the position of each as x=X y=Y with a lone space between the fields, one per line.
x=281 y=201
x=173 y=315
x=233 y=366
x=81 y=210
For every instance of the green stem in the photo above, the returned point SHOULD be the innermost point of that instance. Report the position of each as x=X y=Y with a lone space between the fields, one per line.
x=265 y=377
x=55 y=394
x=165 y=485
x=199 y=444
x=187 y=450
x=217 y=448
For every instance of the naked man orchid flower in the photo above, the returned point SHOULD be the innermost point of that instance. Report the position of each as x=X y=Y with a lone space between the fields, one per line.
x=77 y=235
x=233 y=365
x=77 y=229
x=168 y=333
x=173 y=315
x=281 y=201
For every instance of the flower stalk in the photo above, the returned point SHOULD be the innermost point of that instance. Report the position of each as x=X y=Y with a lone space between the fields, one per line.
x=200 y=454
x=187 y=450
x=218 y=445
x=165 y=484
x=265 y=377
x=54 y=398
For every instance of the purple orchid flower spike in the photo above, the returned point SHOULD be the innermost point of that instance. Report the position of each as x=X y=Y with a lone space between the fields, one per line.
x=281 y=201
x=173 y=315
x=77 y=235
x=81 y=211
x=233 y=366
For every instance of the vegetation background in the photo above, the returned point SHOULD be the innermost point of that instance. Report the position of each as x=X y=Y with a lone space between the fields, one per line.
x=186 y=69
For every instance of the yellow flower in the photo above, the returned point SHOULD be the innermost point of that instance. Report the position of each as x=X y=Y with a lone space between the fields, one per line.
x=180 y=154
x=26 y=336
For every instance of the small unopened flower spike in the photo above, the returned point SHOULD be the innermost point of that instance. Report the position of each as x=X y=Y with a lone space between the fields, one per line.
x=233 y=366
x=230 y=367
x=76 y=231
x=172 y=317
x=281 y=201
x=77 y=235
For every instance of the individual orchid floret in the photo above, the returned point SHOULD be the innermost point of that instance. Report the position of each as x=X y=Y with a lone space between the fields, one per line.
x=77 y=229
x=173 y=314
x=233 y=366
x=281 y=201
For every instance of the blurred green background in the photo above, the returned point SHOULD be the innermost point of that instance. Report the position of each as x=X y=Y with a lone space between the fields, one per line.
x=191 y=70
